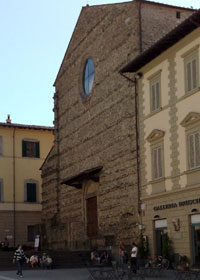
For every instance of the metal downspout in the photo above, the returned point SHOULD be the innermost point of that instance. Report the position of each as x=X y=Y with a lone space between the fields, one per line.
x=14 y=191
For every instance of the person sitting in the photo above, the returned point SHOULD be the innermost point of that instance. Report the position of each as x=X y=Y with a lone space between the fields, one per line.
x=34 y=261
x=104 y=259
x=48 y=263
x=95 y=256
x=43 y=259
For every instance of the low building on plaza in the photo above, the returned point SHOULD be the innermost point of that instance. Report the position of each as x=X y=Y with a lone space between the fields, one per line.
x=90 y=180
x=169 y=133
x=23 y=149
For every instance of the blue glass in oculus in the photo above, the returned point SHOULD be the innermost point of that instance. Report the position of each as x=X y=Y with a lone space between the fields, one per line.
x=88 y=78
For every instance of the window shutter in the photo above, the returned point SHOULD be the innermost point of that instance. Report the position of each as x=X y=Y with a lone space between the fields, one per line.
x=153 y=97
x=194 y=74
x=159 y=162
x=37 y=149
x=197 y=149
x=157 y=95
x=24 y=148
x=1 y=145
x=155 y=173
x=191 y=150
x=1 y=190
x=31 y=192
x=189 y=75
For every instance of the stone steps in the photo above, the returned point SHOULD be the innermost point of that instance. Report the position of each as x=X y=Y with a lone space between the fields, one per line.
x=61 y=259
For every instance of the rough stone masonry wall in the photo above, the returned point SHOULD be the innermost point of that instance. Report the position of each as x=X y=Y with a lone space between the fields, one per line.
x=100 y=131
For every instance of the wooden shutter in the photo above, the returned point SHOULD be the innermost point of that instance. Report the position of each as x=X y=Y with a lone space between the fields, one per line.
x=24 y=148
x=1 y=148
x=92 y=221
x=197 y=149
x=157 y=95
x=1 y=190
x=153 y=96
x=155 y=174
x=159 y=152
x=37 y=149
x=157 y=163
x=194 y=74
x=191 y=151
x=189 y=76
x=31 y=192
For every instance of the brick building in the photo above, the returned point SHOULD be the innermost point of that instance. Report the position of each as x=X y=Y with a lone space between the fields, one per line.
x=90 y=182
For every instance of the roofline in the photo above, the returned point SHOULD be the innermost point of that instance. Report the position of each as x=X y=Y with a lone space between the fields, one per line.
x=170 y=39
x=59 y=74
x=26 y=126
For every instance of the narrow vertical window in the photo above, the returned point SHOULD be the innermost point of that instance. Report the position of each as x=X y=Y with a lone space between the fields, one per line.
x=191 y=73
x=1 y=190
x=1 y=146
x=155 y=94
x=194 y=150
x=157 y=163
x=30 y=191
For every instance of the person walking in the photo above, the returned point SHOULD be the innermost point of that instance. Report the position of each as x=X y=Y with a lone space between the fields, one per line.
x=122 y=256
x=19 y=257
x=134 y=252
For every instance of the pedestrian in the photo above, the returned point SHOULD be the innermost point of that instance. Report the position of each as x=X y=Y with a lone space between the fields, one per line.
x=19 y=257
x=122 y=256
x=134 y=252
x=6 y=244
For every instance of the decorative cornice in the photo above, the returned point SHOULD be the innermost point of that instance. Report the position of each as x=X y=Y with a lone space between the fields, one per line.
x=191 y=118
x=155 y=135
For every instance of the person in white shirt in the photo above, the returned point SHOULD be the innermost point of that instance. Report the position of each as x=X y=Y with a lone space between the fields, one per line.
x=134 y=252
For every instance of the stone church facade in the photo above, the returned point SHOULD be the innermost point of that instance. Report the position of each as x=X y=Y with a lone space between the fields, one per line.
x=90 y=177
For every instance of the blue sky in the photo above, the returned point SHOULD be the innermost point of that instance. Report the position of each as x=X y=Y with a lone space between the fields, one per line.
x=34 y=37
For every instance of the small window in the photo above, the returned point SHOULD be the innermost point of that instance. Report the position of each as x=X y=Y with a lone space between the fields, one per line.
x=30 y=149
x=88 y=77
x=1 y=190
x=157 y=160
x=194 y=150
x=30 y=233
x=1 y=146
x=155 y=94
x=30 y=191
x=178 y=15
x=191 y=73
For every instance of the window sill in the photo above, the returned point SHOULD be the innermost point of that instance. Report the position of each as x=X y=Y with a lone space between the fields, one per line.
x=188 y=94
x=154 y=181
x=154 y=112
x=193 y=170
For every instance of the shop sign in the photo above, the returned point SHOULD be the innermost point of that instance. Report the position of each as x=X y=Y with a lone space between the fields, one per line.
x=175 y=205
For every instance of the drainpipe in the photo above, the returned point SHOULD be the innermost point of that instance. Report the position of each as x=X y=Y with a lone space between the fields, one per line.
x=14 y=189
x=140 y=25
x=137 y=76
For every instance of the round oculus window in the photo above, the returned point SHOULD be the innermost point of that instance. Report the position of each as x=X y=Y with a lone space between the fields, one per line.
x=88 y=77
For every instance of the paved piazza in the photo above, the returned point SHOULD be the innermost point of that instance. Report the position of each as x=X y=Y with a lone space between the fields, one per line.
x=57 y=274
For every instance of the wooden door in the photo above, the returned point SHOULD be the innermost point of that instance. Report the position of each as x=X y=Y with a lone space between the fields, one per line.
x=92 y=221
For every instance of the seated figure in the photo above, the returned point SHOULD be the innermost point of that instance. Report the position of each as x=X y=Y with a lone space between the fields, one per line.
x=104 y=259
x=48 y=262
x=34 y=261
x=95 y=256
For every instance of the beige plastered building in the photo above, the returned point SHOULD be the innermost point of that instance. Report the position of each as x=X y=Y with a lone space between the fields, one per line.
x=23 y=149
x=169 y=133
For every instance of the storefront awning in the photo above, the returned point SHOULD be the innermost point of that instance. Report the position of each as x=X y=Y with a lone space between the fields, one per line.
x=77 y=180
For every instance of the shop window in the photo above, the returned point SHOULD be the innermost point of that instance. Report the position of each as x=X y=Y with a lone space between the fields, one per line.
x=31 y=191
x=30 y=148
x=155 y=92
x=1 y=146
x=191 y=72
x=195 y=234
x=160 y=231
x=30 y=233
x=1 y=190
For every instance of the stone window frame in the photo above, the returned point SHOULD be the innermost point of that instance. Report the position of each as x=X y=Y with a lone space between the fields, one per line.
x=154 y=80
x=1 y=190
x=189 y=57
x=31 y=181
x=1 y=145
x=156 y=140
x=191 y=123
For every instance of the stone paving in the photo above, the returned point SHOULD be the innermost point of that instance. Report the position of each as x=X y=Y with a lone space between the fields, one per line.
x=57 y=274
